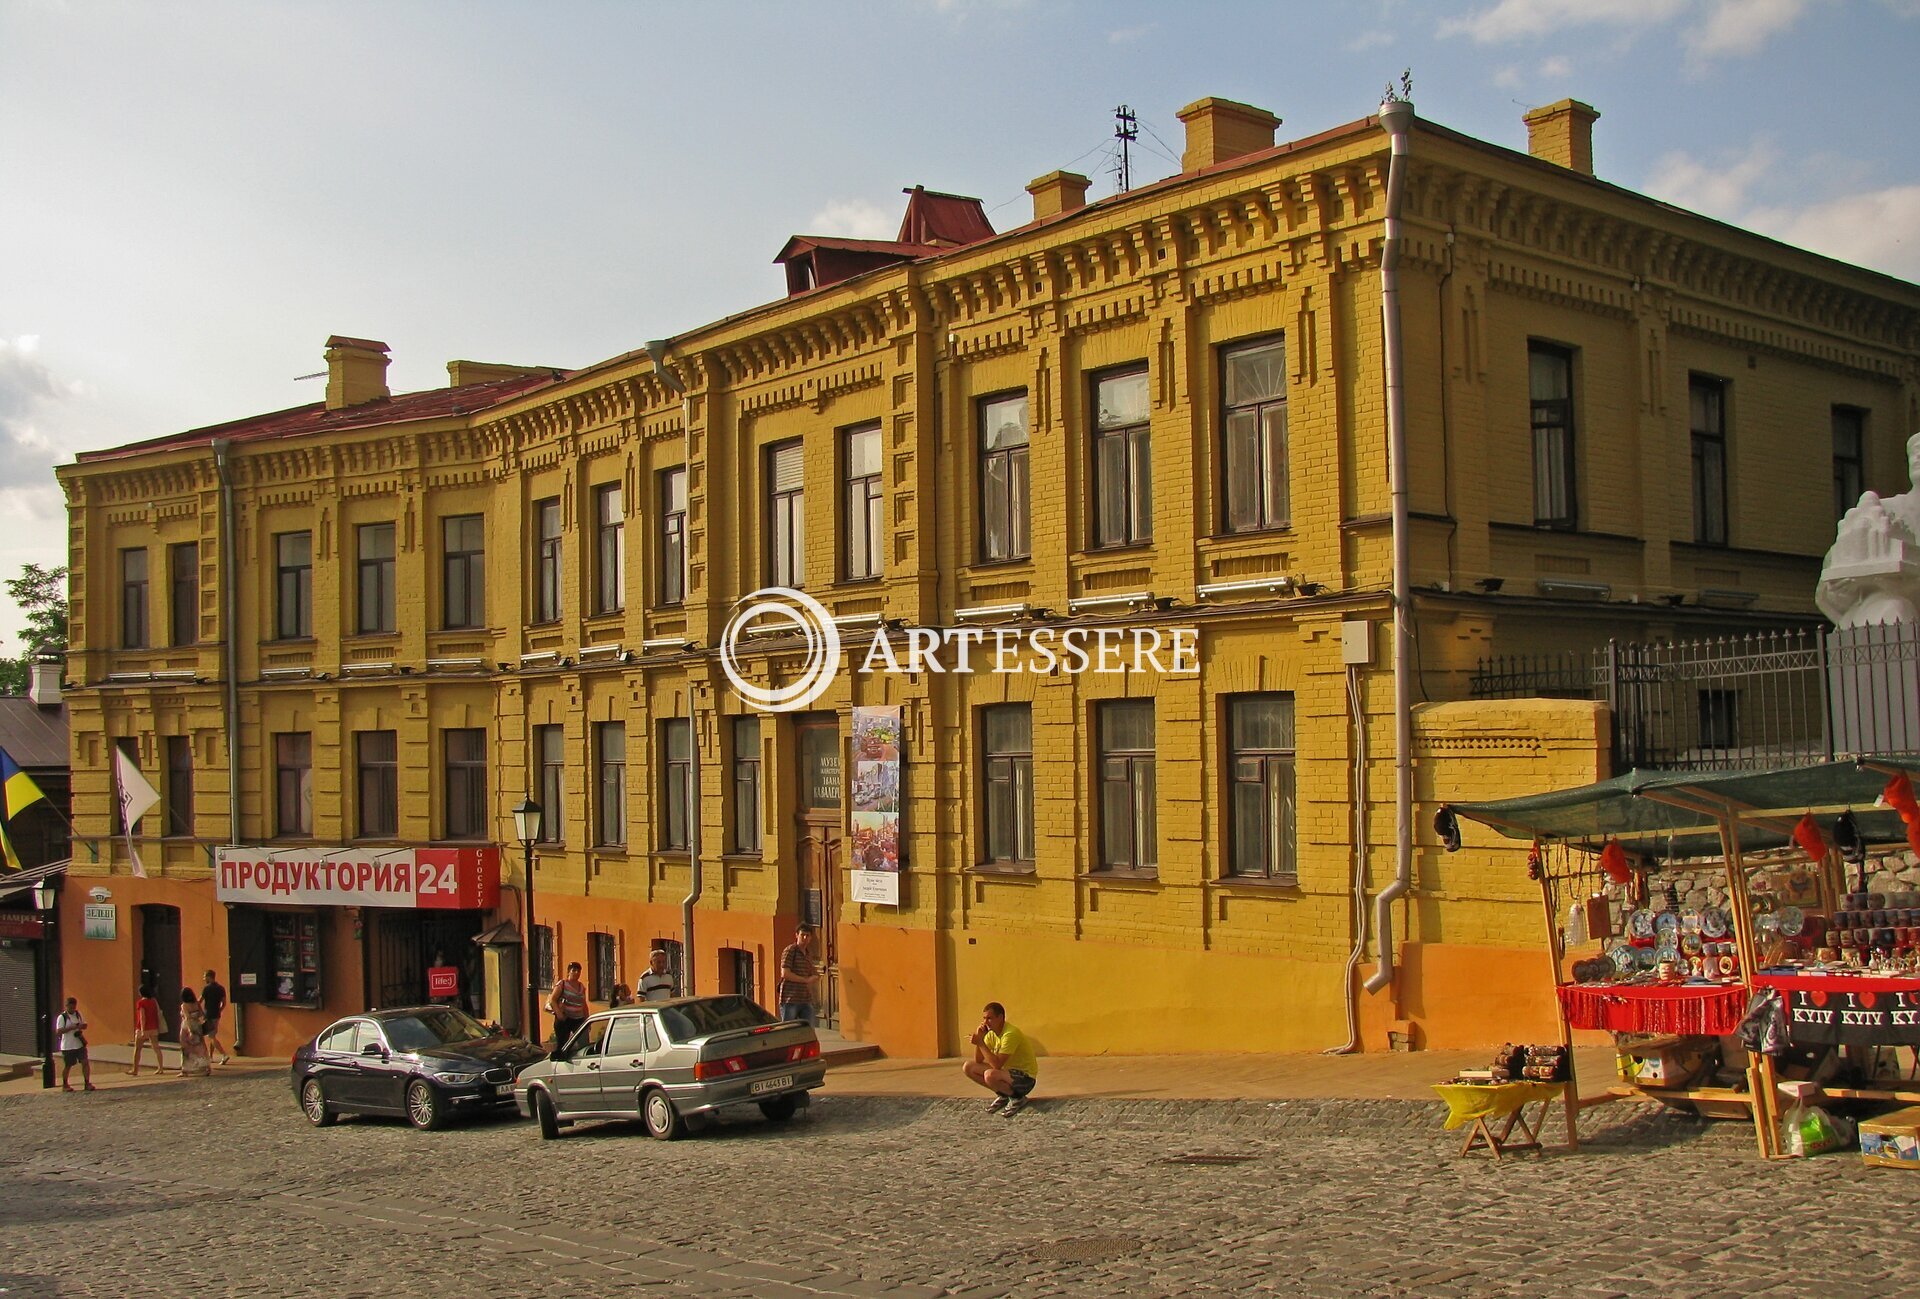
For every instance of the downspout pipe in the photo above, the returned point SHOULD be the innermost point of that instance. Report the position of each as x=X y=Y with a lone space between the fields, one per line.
x=230 y=624
x=657 y=353
x=1396 y=119
x=230 y=635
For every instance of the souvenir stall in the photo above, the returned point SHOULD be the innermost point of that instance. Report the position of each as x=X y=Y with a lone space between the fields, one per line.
x=1672 y=898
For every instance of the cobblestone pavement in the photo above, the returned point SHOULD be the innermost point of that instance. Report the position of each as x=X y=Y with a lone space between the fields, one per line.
x=219 y=1187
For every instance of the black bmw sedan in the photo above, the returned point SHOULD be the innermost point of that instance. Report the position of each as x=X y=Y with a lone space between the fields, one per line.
x=424 y=1063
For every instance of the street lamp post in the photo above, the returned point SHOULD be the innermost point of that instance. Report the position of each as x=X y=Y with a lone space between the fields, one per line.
x=526 y=824
x=46 y=962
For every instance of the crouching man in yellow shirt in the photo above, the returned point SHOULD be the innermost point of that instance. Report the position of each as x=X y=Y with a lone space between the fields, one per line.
x=1002 y=1061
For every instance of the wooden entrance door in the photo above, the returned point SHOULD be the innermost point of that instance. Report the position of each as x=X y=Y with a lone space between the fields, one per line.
x=820 y=830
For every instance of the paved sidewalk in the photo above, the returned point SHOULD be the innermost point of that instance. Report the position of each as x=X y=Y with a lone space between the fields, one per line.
x=112 y=1059
x=1397 y=1075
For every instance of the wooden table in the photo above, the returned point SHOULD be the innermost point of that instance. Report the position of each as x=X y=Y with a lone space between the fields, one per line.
x=1477 y=1105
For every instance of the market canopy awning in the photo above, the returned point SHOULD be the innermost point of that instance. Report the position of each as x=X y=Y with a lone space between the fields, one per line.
x=1675 y=814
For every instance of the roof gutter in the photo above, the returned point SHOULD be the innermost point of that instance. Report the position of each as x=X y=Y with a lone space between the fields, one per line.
x=1396 y=118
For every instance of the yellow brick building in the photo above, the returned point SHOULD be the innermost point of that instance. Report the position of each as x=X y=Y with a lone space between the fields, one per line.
x=371 y=626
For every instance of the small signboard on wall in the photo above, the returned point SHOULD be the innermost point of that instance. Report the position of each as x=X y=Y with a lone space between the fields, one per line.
x=102 y=921
x=443 y=981
x=882 y=887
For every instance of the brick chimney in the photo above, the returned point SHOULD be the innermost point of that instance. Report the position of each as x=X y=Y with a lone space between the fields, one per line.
x=1219 y=129
x=1057 y=192
x=1562 y=133
x=356 y=371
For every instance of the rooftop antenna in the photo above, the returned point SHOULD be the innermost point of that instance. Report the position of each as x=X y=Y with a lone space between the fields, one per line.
x=1126 y=129
x=317 y=374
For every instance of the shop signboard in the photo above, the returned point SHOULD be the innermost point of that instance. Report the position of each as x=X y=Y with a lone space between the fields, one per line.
x=876 y=805
x=17 y=925
x=1857 y=1010
x=101 y=920
x=436 y=879
x=443 y=980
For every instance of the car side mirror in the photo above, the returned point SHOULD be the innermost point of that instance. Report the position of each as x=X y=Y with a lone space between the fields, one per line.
x=375 y=1050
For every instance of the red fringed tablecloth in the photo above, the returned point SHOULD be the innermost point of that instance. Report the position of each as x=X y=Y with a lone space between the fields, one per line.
x=1654 y=1008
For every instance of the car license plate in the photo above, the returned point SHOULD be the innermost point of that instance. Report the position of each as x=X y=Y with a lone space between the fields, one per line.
x=503 y=1089
x=771 y=1084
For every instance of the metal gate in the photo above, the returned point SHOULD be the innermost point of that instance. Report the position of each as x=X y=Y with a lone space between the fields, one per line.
x=18 y=995
x=405 y=944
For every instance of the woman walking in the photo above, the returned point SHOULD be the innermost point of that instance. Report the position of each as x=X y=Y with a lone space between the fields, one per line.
x=193 y=1043
x=146 y=1030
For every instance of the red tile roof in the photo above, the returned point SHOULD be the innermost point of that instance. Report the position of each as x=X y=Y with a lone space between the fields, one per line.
x=436 y=403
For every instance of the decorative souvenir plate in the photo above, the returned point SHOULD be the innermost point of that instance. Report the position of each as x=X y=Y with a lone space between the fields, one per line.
x=1668 y=950
x=1640 y=924
x=1667 y=922
x=1690 y=920
x=1789 y=921
x=1623 y=958
x=1690 y=943
x=1713 y=922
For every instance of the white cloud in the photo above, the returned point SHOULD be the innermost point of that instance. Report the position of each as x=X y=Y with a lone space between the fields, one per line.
x=1559 y=67
x=29 y=390
x=1127 y=35
x=1742 y=27
x=1511 y=20
x=854 y=218
x=1710 y=28
x=1718 y=188
x=1509 y=77
x=1876 y=228
x=1373 y=40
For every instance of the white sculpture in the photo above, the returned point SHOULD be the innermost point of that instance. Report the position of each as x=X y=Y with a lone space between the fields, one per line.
x=1872 y=573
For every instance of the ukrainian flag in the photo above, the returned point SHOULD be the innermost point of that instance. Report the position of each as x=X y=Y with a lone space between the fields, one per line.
x=17 y=793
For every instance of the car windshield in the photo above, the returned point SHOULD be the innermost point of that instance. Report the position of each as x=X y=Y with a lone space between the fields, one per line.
x=698 y=1019
x=431 y=1028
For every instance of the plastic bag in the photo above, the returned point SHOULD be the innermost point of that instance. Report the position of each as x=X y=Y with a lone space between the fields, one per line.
x=1809 y=1130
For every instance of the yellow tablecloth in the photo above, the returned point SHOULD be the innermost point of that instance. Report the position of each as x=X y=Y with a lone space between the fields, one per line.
x=1469 y=1101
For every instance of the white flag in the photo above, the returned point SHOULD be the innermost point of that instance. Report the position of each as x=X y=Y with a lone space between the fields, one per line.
x=136 y=798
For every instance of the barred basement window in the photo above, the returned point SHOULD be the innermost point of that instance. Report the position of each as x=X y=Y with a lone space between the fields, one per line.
x=601 y=975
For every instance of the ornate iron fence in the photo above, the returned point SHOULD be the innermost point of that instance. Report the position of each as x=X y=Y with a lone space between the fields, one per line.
x=1766 y=699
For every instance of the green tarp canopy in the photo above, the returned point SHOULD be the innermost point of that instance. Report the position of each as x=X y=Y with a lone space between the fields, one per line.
x=1674 y=815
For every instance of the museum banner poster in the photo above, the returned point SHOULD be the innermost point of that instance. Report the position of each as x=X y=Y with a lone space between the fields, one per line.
x=875 y=856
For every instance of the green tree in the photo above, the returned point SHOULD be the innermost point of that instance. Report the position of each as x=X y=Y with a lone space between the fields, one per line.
x=41 y=595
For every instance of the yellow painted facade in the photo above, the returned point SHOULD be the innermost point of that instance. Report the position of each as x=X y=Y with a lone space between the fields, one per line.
x=1503 y=251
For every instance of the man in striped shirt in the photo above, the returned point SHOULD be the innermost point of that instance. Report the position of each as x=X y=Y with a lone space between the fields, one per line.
x=798 y=975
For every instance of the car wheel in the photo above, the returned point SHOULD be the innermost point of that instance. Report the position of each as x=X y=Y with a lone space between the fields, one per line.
x=657 y=1112
x=425 y=1109
x=543 y=1115
x=780 y=1109
x=313 y=1103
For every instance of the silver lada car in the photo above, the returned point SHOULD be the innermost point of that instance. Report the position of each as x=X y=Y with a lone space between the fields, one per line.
x=665 y=1062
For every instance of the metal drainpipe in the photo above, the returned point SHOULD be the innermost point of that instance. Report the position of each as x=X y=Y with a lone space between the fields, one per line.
x=657 y=353
x=1358 y=715
x=230 y=624
x=1396 y=118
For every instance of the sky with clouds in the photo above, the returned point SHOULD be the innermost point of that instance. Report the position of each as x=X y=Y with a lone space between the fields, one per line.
x=194 y=196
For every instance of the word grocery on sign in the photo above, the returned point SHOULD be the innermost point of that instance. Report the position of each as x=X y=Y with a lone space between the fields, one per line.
x=447 y=879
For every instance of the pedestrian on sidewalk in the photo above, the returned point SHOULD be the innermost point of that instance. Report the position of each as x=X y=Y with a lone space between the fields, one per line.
x=798 y=978
x=71 y=1030
x=658 y=983
x=567 y=1003
x=193 y=1047
x=213 y=1004
x=1003 y=1061
x=146 y=1030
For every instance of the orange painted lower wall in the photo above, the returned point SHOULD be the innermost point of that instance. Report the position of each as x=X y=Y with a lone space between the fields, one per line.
x=890 y=988
x=105 y=973
x=1464 y=996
